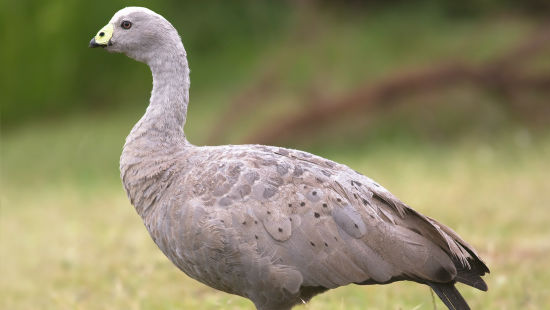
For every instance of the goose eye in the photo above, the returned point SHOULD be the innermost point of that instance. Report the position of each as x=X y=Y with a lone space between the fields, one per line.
x=126 y=24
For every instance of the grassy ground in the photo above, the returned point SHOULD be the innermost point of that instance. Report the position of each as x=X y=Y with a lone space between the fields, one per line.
x=70 y=240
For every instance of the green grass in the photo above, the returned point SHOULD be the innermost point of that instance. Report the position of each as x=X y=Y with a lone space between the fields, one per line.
x=70 y=239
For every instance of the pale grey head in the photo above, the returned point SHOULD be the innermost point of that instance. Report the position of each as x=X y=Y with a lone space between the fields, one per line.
x=139 y=33
x=147 y=37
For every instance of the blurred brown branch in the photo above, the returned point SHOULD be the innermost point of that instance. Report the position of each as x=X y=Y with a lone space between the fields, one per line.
x=503 y=75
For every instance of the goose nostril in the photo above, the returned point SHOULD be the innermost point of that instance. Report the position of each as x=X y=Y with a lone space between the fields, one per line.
x=101 y=34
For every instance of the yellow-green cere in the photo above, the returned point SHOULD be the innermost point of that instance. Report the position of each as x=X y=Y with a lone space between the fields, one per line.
x=104 y=35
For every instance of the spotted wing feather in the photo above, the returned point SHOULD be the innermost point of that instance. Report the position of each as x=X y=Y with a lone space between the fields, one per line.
x=294 y=224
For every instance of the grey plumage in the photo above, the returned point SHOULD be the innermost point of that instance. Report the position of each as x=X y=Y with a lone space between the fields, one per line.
x=275 y=225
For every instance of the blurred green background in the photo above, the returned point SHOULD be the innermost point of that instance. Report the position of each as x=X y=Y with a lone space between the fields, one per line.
x=445 y=103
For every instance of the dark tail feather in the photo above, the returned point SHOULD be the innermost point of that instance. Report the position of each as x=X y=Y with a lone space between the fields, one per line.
x=449 y=295
x=471 y=278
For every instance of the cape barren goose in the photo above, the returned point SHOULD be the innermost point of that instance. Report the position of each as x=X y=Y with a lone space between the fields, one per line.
x=274 y=225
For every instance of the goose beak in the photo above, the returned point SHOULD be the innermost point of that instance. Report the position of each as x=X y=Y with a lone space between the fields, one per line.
x=93 y=43
x=103 y=37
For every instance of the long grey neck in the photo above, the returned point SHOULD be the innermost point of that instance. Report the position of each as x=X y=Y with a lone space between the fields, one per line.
x=166 y=114
x=151 y=148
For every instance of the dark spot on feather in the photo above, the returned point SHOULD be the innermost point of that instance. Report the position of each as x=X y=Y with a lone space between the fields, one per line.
x=298 y=171
x=366 y=202
x=356 y=226
x=338 y=199
x=280 y=229
x=244 y=223
x=325 y=205
x=255 y=222
x=222 y=221
x=312 y=244
x=268 y=212
x=335 y=238
x=289 y=205
x=326 y=173
x=255 y=236
x=316 y=214
x=329 y=163
x=355 y=196
x=326 y=244
x=314 y=193
x=290 y=219
x=302 y=203
x=305 y=186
